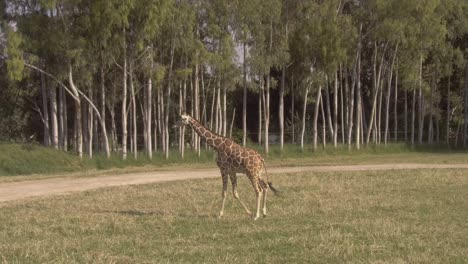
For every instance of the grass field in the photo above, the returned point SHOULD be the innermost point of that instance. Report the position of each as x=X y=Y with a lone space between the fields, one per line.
x=18 y=159
x=413 y=216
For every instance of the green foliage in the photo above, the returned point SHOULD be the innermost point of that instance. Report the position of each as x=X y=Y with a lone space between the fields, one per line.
x=16 y=159
x=15 y=64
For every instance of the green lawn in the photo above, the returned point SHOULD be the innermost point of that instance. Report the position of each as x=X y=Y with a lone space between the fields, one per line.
x=18 y=159
x=413 y=216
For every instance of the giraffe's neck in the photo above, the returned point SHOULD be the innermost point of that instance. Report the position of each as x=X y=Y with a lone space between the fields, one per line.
x=212 y=139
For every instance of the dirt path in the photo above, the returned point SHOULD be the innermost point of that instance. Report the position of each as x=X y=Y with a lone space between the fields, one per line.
x=26 y=189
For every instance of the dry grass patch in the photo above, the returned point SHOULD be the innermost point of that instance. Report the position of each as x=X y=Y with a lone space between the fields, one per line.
x=415 y=216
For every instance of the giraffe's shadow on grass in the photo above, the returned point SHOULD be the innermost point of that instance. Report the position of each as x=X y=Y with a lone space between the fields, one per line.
x=159 y=213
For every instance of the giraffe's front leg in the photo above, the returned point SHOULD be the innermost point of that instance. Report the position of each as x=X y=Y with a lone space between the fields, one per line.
x=236 y=194
x=223 y=193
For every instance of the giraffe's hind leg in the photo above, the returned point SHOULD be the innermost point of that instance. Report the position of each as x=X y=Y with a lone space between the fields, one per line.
x=233 y=177
x=265 y=190
x=258 y=193
x=224 y=176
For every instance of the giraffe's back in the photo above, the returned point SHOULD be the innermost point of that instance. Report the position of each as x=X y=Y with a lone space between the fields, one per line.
x=240 y=160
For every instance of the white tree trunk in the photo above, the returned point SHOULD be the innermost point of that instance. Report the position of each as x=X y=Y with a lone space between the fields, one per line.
x=293 y=123
x=260 y=111
x=232 y=122
x=328 y=114
x=395 y=107
x=168 y=100
x=65 y=123
x=60 y=117
x=149 y=97
x=324 y=124
x=78 y=121
x=304 y=112
x=421 y=106
x=389 y=90
x=45 y=111
x=266 y=113
x=358 y=103
x=335 y=112
x=316 y=113
x=53 y=115
x=124 y=107
x=351 y=110
x=244 y=98
x=90 y=125
x=281 y=106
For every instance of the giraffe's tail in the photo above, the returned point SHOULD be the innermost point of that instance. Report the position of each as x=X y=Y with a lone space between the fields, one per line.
x=270 y=184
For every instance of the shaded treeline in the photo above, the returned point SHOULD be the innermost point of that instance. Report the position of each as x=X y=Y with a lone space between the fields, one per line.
x=113 y=76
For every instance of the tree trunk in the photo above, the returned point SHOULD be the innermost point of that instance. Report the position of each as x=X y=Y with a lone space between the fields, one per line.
x=213 y=102
x=219 y=116
x=376 y=85
x=244 y=98
x=316 y=113
x=281 y=106
x=113 y=128
x=342 y=108
x=389 y=90
x=350 y=110
x=430 y=137
x=395 y=106
x=413 y=116
x=124 y=104
x=329 y=115
x=465 y=107
x=267 y=113
x=260 y=121
x=78 y=121
x=224 y=108
x=96 y=125
x=65 y=123
x=161 y=117
x=293 y=132
x=149 y=100
x=45 y=111
x=168 y=100
x=134 y=114
x=90 y=124
x=53 y=115
x=378 y=122
x=232 y=122
x=85 y=125
x=155 y=120
x=103 y=101
x=358 y=96
x=304 y=112
x=182 y=89
x=196 y=102
x=324 y=124
x=267 y=95
x=60 y=117
x=406 y=115
x=335 y=111
x=421 y=106
x=448 y=116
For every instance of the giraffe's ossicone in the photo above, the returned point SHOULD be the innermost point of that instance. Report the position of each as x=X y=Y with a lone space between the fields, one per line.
x=233 y=158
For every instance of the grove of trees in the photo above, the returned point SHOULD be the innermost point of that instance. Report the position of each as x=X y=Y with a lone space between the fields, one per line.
x=113 y=75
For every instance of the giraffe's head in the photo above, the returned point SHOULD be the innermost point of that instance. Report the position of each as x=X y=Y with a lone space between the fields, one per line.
x=184 y=119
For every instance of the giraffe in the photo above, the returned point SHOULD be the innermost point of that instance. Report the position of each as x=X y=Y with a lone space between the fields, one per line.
x=232 y=159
